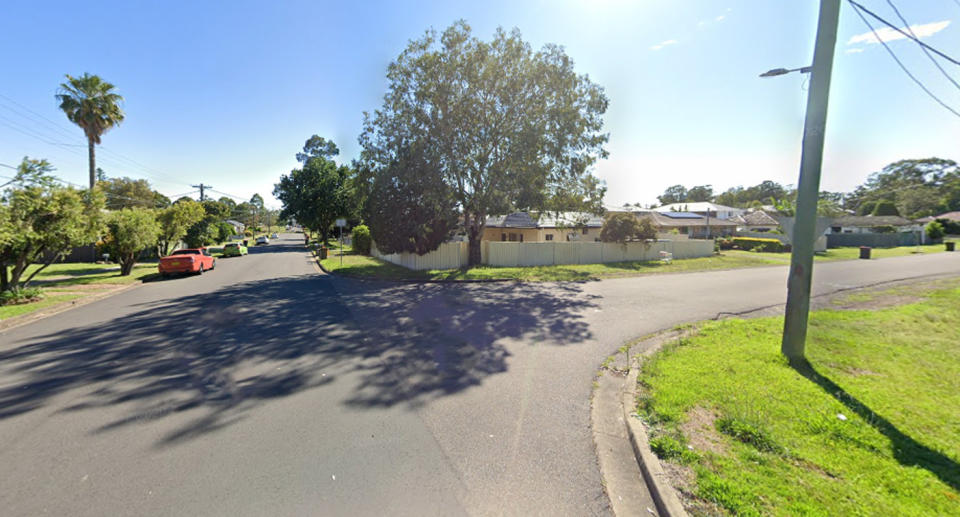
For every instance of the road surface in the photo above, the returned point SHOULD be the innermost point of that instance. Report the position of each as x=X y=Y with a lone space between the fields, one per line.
x=264 y=387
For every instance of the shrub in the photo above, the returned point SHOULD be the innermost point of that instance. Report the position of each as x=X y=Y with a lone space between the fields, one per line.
x=622 y=227
x=362 y=239
x=759 y=244
x=247 y=233
x=885 y=207
x=224 y=232
x=725 y=243
x=20 y=295
x=934 y=230
x=950 y=227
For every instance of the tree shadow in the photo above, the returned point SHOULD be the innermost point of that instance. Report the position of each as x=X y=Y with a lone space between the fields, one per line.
x=213 y=358
x=906 y=450
x=439 y=339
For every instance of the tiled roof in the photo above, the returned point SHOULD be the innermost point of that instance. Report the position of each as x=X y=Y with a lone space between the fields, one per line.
x=756 y=218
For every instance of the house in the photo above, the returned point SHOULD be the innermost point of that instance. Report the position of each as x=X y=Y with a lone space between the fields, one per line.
x=871 y=224
x=691 y=224
x=238 y=227
x=755 y=221
x=949 y=216
x=522 y=227
x=703 y=208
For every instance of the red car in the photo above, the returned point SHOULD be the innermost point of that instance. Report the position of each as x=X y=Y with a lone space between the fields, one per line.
x=195 y=260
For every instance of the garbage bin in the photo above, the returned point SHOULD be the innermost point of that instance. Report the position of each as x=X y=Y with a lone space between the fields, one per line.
x=323 y=252
x=245 y=241
x=951 y=246
x=865 y=252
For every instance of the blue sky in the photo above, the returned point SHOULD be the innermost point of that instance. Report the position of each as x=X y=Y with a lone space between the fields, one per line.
x=227 y=92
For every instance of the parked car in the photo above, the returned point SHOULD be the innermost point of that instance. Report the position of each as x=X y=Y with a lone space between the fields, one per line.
x=262 y=240
x=234 y=249
x=275 y=236
x=193 y=260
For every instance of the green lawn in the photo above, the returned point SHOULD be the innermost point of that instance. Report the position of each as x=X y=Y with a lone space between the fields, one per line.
x=850 y=253
x=869 y=428
x=56 y=281
x=369 y=267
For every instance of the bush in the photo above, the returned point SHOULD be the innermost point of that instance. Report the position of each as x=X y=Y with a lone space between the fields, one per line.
x=224 y=232
x=622 y=227
x=20 y=295
x=885 y=207
x=950 y=227
x=934 y=230
x=725 y=243
x=758 y=244
x=362 y=239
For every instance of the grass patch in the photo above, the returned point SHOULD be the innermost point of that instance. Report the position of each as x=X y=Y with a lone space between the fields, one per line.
x=9 y=311
x=369 y=267
x=868 y=428
x=848 y=253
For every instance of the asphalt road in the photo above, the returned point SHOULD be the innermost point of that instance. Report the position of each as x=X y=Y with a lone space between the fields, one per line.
x=264 y=387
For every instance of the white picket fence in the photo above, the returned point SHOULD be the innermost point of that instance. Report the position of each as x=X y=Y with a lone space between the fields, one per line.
x=453 y=255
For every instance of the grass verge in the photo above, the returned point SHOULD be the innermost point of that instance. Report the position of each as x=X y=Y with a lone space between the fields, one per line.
x=869 y=427
x=361 y=266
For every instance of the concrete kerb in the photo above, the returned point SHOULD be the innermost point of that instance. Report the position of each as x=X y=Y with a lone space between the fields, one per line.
x=663 y=495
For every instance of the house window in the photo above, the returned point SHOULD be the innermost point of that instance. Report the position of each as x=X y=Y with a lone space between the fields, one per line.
x=521 y=237
x=549 y=237
x=683 y=229
x=503 y=237
x=513 y=237
x=584 y=231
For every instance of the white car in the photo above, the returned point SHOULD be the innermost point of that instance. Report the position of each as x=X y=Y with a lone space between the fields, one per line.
x=262 y=240
x=275 y=236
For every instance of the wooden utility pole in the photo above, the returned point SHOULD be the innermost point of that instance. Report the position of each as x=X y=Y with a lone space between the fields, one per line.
x=808 y=187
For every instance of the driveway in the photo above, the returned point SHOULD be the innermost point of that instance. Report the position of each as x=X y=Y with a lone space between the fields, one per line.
x=264 y=387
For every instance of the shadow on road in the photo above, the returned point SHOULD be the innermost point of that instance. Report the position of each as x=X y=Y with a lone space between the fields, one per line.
x=436 y=339
x=220 y=355
x=906 y=450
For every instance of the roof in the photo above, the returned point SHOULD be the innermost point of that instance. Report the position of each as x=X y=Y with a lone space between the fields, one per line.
x=699 y=206
x=950 y=216
x=756 y=218
x=863 y=221
x=662 y=219
x=547 y=220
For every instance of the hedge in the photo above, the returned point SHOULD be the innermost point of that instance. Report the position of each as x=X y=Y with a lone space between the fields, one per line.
x=758 y=244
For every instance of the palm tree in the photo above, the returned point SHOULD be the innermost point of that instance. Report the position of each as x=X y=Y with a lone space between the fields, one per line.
x=90 y=103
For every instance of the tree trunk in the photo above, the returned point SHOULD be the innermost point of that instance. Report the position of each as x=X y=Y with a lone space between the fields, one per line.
x=126 y=265
x=475 y=234
x=93 y=163
x=4 y=279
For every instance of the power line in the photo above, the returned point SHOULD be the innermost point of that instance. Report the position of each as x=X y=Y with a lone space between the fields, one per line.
x=858 y=8
x=925 y=51
x=895 y=58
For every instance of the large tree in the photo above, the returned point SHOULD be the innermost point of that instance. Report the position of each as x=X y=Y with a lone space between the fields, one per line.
x=42 y=221
x=317 y=193
x=507 y=127
x=91 y=103
x=129 y=232
x=917 y=187
x=174 y=222
x=129 y=193
x=700 y=193
x=673 y=194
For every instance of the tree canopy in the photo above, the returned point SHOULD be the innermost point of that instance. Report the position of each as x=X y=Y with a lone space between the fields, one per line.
x=129 y=193
x=506 y=127
x=623 y=227
x=42 y=220
x=130 y=231
x=174 y=222
x=317 y=193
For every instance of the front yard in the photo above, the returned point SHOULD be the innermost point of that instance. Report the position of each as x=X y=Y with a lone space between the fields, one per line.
x=61 y=283
x=869 y=428
x=360 y=266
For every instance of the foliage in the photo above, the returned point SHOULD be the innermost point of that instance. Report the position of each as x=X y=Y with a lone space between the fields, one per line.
x=91 y=103
x=763 y=193
x=885 y=207
x=916 y=187
x=130 y=193
x=506 y=127
x=759 y=244
x=130 y=231
x=41 y=221
x=19 y=295
x=174 y=222
x=950 y=227
x=934 y=230
x=673 y=194
x=317 y=147
x=700 y=193
x=622 y=227
x=866 y=208
x=410 y=207
x=206 y=231
x=362 y=239
x=224 y=231
x=318 y=193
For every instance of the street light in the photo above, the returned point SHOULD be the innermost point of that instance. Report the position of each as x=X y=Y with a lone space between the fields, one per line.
x=783 y=71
